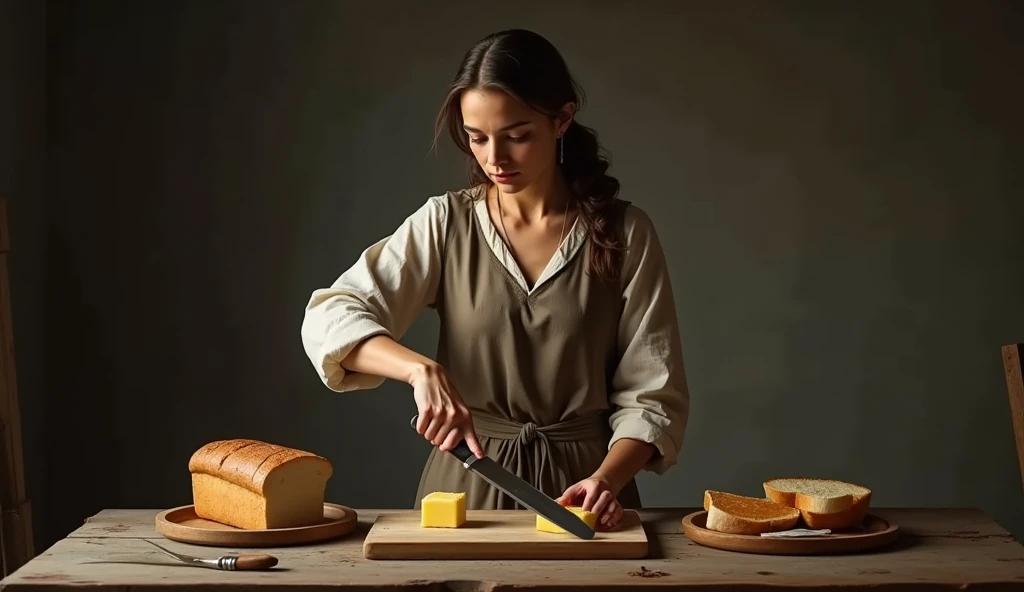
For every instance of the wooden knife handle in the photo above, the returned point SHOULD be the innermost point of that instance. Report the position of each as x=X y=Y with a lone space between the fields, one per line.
x=255 y=562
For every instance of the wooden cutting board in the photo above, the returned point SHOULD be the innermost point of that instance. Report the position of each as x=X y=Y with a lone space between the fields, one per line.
x=498 y=534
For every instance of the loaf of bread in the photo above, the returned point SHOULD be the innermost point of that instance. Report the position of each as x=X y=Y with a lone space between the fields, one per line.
x=823 y=503
x=739 y=514
x=254 y=485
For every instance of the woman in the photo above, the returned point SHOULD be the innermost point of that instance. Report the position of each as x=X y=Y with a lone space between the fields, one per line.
x=559 y=354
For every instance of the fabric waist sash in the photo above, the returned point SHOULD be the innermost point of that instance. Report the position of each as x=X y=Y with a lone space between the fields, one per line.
x=584 y=427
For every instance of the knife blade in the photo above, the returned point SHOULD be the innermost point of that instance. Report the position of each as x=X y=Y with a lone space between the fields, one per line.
x=521 y=491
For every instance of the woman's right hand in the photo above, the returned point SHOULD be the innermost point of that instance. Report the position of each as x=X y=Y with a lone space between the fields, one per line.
x=444 y=418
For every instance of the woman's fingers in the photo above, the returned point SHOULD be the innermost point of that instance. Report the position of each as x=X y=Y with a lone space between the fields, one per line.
x=449 y=436
x=591 y=497
x=422 y=421
x=447 y=426
x=451 y=439
x=612 y=514
x=434 y=427
x=616 y=516
x=443 y=426
x=473 y=443
x=568 y=496
x=596 y=498
x=603 y=499
x=444 y=419
x=448 y=417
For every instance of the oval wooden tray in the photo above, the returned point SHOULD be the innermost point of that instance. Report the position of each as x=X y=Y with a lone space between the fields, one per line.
x=183 y=525
x=875 y=532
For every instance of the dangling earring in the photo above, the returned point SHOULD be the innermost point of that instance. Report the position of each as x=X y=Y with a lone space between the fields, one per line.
x=561 y=148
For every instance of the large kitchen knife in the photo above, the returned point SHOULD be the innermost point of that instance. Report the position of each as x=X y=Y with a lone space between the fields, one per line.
x=520 y=490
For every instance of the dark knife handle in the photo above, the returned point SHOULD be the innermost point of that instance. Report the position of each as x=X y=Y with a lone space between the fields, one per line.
x=461 y=450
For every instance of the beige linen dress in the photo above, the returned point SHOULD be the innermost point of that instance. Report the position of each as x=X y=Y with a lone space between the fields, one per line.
x=553 y=374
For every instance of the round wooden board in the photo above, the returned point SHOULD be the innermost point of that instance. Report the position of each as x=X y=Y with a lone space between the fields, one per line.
x=875 y=532
x=183 y=525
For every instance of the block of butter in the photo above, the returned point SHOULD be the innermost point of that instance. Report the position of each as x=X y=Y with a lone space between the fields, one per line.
x=442 y=509
x=545 y=525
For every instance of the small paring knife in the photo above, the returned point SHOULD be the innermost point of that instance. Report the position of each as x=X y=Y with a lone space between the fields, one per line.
x=249 y=562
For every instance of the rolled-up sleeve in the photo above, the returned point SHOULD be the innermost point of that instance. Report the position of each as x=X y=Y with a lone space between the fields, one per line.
x=651 y=402
x=382 y=293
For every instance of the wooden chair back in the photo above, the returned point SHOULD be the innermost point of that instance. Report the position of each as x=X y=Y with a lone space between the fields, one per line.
x=16 y=544
x=1012 y=355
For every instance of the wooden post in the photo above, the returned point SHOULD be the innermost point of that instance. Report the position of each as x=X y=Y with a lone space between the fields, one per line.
x=1015 y=387
x=16 y=517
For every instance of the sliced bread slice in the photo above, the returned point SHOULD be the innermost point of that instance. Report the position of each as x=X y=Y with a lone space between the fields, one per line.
x=738 y=514
x=823 y=503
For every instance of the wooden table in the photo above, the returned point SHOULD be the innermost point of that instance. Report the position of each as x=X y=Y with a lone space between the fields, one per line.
x=949 y=549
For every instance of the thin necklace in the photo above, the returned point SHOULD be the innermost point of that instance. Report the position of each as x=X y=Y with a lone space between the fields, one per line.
x=501 y=218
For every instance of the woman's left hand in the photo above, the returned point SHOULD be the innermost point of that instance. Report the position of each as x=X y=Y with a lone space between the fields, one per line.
x=594 y=494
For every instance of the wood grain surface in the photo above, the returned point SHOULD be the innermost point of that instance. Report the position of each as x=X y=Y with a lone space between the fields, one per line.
x=939 y=549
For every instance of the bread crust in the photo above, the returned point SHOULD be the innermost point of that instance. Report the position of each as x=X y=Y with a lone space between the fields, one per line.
x=840 y=520
x=831 y=511
x=736 y=514
x=245 y=462
x=210 y=456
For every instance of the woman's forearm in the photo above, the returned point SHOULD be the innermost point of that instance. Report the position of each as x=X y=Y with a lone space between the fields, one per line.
x=381 y=355
x=624 y=460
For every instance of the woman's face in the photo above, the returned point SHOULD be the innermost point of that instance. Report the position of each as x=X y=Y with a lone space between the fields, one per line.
x=513 y=144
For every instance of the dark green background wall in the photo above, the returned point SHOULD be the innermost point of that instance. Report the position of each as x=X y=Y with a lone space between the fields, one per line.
x=838 y=188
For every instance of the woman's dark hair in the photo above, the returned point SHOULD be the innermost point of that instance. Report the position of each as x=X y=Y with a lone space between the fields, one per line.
x=529 y=68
